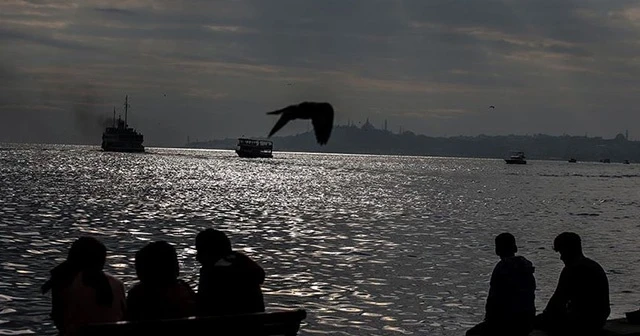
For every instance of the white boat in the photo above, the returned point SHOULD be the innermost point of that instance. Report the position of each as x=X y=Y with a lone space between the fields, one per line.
x=516 y=158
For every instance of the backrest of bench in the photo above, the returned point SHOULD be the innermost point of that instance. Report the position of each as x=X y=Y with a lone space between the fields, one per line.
x=285 y=323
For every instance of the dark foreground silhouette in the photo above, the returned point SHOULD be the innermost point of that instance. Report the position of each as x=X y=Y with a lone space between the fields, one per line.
x=159 y=294
x=229 y=281
x=81 y=292
x=321 y=115
x=510 y=307
x=229 y=287
x=580 y=303
x=282 y=323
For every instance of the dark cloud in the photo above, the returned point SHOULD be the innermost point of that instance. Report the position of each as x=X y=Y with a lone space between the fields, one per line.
x=12 y=36
x=116 y=11
x=433 y=66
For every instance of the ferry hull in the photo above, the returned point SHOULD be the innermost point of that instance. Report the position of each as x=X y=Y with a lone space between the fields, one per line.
x=244 y=154
x=513 y=161
x=126 y=149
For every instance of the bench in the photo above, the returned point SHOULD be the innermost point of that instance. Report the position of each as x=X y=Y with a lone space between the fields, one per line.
x=284 y=323
x=615 y=327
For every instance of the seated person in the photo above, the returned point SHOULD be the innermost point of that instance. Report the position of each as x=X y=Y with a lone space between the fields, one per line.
x=580 y=304
x=510 y=307
x=81 y=292
x=229 y=281
x=159 y=294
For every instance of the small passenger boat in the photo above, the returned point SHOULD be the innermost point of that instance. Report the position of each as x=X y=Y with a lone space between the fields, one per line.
x=250 y=148
x=516 y=158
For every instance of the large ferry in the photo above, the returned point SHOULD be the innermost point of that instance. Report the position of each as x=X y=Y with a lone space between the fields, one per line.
x=250 y=148
x=120 y=137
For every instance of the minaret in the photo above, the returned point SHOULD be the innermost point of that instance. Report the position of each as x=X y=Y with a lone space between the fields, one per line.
x=114 y=117
x=126 y=108
x=385 y=125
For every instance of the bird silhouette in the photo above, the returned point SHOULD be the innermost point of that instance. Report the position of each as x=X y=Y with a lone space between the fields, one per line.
x=321 y=115
x=491 y=106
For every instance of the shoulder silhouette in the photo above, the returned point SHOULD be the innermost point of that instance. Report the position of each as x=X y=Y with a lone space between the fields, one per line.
x=229 y=281
x=82 y=293
x=510 y=307
x=159 y=294
x=580 y=303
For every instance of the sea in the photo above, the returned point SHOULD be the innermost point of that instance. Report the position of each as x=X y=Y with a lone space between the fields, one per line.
x=366 y=244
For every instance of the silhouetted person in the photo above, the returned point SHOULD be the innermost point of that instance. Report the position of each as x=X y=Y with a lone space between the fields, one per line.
x=580 y=304
x=321 y=115
x=510 y=308
x=81 y=292
x=229 y=281
x=159 y=294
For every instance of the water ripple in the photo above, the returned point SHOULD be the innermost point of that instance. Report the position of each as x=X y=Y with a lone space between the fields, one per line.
x=382 y=245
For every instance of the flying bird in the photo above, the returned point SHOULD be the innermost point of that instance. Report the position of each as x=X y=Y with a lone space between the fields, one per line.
x=321 y=115
x=491 y=106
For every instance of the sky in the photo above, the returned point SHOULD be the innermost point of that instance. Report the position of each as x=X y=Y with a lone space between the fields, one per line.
x=208 y=69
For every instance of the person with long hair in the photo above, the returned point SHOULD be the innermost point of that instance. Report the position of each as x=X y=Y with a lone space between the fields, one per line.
x=82 y=293
x=159 y=294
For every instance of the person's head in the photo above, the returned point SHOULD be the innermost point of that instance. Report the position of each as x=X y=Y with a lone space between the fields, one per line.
x=506 y=245
x=211 y=245
x=157 y=263
x=569 y=245
x=87 y=254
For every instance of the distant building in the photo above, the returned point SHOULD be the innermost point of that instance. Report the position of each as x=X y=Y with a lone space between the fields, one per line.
x=367 y=126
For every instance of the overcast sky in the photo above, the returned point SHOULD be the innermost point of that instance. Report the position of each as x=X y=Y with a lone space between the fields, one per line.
x=432 y=67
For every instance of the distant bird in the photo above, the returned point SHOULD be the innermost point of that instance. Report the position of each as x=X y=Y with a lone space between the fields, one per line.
x=321 y=115
x=165 y=94
x=492 y=106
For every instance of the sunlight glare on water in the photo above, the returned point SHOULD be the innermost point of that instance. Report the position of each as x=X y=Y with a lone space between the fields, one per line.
x=382 y=245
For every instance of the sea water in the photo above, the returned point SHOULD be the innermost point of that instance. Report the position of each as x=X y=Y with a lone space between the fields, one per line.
x=377 y=245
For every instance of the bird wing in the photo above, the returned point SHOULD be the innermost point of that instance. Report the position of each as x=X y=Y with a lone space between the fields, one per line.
x=284 y=119
x=322 y=125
